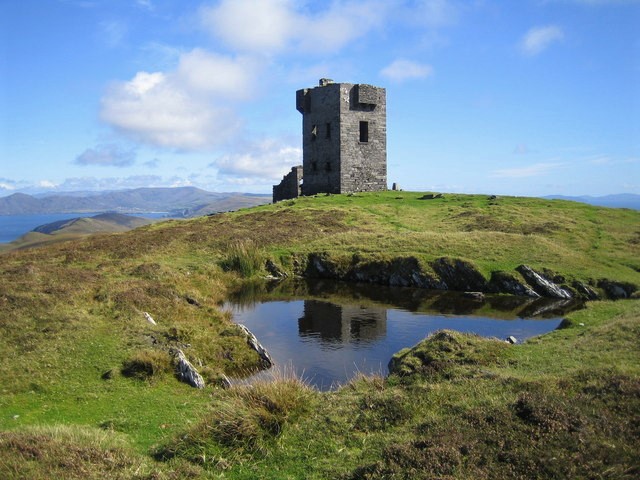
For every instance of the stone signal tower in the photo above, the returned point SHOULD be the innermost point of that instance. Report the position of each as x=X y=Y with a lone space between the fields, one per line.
x=344 y=132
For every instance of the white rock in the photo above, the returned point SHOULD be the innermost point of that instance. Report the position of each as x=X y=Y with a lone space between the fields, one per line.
x=186 y=371
x=149 y=318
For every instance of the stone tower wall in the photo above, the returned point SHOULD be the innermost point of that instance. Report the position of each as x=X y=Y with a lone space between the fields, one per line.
x=321 y=139
x=363 y=160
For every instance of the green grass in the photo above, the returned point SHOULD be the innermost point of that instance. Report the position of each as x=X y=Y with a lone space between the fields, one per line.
x=243 y=258
x=564 y=405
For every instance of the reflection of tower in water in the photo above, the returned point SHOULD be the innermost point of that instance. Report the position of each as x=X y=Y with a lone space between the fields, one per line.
x=333 y=323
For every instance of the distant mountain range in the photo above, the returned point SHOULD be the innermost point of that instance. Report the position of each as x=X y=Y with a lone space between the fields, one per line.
x=177 y=202
x=622 y=200
x=191 y=202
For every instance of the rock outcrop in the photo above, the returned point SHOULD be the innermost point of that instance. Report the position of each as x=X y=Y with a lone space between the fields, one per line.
x=542 y=285
x=253 y=342
x=617 y=290
x=398 y=272
x=275 y=271
x=185 y=371
x=585 y=291
x=459 y=275
x=504 y=282
x=149 y=318
x=453 y=274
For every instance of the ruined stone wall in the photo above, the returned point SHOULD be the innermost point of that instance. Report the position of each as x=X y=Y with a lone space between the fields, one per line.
x=289 y=187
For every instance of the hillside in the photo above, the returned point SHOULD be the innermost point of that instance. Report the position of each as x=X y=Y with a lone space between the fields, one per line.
x=74 y=229
x=83 y=372
x=105 y=222
x=181 y=201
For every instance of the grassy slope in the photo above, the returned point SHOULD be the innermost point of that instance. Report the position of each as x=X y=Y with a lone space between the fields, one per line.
x=74 y=229
x=70 y=312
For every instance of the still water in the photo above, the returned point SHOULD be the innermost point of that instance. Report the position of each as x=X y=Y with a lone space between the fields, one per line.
x=327 y=332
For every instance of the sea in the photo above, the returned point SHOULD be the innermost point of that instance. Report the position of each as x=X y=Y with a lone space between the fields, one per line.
x=13 y=227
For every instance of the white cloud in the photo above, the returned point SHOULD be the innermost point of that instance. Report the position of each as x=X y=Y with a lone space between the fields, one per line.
x=251 y=25
x=109 y=155
x=527 y=171
x=110 y=183
x=180 y=110
x=270 y=26
x=211 y=73
x=265 y=161
x=344 y=22
x=401 y=70
x=538 y=39
x=46 y=184
x=9 y=186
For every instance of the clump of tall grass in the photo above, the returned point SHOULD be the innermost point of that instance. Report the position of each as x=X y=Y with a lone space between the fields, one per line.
x=244 y=420
x=243 y=257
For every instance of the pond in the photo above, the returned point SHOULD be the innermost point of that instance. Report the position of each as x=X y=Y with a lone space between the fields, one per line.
x=327 y=332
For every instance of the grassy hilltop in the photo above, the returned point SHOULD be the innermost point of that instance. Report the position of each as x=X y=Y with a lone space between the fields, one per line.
x=88 y=390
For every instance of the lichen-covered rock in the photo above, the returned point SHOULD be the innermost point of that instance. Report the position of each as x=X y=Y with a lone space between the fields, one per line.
x=185 y=371
x=274 y=270
x=542 y=285
x=617 y=290
x=320 y=265
x=459 y=275
x=504 y=282
x=451 y=274
x=585 y=291
x=253 y=342
x=399 y=272
x=149 y=318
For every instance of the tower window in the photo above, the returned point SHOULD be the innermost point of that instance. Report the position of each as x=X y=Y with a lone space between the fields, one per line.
x=364 y=132
x=314 y=166
x=328 y=130
x=314 y=132
x=327 y=166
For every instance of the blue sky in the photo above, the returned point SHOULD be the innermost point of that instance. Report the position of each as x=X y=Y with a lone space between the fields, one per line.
x=527 y=97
